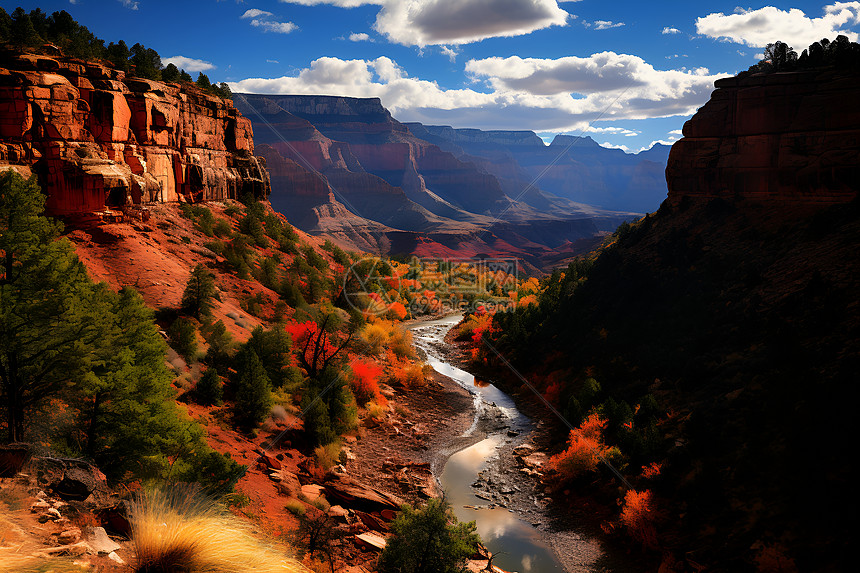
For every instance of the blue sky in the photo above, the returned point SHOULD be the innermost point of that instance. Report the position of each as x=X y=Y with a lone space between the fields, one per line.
x=626 y=73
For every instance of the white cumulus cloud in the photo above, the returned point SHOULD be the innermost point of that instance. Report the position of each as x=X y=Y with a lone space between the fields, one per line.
x=359 y=37
x=520 y=93
x=272 y=26
x=267 y=22
x=757 y=28
x=188 y=64
x=606 y=24
x=255 y=13
x=668 y=30
x=436 y=22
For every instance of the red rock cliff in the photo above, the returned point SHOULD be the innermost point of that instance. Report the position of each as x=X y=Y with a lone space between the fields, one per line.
x=792 y=137
x=97 y=138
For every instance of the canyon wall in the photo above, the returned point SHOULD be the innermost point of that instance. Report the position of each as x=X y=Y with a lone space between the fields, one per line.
x=790 y=137
x=98 y=139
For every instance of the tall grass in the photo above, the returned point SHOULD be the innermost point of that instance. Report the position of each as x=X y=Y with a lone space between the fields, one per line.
x=183 y=530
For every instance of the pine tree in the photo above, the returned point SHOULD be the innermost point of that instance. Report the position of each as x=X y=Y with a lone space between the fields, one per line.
x=45 y=326
x=253 y=389
x=170 y=73
x=209 y=390
x=273 y=348
x=197 y=299
x=183 y=338
x=221 y=346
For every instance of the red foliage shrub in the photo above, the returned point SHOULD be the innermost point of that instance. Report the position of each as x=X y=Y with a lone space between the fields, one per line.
x=639 y=517
x=364 y=383
x=584 y=449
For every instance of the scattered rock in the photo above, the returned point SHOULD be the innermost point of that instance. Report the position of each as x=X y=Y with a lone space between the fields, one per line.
x=98 y=539
x=116 y=558
x=370 y=541
x=69 y=536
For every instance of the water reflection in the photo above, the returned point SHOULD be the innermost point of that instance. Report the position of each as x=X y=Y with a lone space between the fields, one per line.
x=517 y=544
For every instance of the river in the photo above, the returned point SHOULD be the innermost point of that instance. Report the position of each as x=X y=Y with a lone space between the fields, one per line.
x=518 y=545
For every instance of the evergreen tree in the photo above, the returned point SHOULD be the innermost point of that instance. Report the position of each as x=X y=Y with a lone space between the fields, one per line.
x=197 y=299
x=272 y=347
x=428 y=540
x=209 y=390
x=146 y=62
x=45 y=326
x=170 y=73
x=221 y=346
x=119 y=55
x=203 y=82
x=253 y=389
x=23 y=32
x=5 y=26
x=185 y=77
x=183 y=338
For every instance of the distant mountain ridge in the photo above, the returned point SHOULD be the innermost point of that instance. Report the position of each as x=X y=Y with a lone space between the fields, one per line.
x=574 y=168
x=346 y=168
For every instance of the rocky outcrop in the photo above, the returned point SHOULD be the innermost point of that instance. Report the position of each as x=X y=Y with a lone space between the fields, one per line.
x=97 y=138
x=791 y=137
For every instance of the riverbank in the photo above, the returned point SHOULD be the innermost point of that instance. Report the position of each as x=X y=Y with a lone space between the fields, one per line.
x=513 y=479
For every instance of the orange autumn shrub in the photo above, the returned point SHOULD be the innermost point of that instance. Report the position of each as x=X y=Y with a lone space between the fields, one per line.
x=639 y=516
x=397 y=311
x=364 y=383
x=527 y=300
x=408 y=376
x=585 y=446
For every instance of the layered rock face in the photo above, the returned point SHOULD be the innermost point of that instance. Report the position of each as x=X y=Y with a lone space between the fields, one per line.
x=791 y=137
x=99 y=139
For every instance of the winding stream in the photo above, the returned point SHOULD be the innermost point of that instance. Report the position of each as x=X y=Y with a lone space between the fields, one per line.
x=518 y=545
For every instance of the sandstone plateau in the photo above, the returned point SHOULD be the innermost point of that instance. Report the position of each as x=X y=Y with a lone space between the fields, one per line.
x=97 y=138
x=789 y=137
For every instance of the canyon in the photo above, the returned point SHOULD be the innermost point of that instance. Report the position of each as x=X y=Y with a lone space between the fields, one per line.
x=346 y=168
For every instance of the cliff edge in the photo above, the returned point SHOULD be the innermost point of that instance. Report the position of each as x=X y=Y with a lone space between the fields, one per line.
x=98 y=139
x=792 y=137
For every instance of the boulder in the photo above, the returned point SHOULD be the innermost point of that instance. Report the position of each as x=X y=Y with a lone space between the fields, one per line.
x=349 y=492
x=98 y=539
x=78 y=483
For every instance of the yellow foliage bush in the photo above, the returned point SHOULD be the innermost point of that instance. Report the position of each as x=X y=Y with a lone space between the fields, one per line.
x=383 y=334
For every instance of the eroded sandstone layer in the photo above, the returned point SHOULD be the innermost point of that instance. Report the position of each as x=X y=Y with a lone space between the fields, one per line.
x=97 y=138
x=790 y=137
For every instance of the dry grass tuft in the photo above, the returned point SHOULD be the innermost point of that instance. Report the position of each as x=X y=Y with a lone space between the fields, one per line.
x=182 y=530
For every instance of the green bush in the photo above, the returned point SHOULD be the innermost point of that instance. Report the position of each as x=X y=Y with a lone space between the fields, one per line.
x=428 y=540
